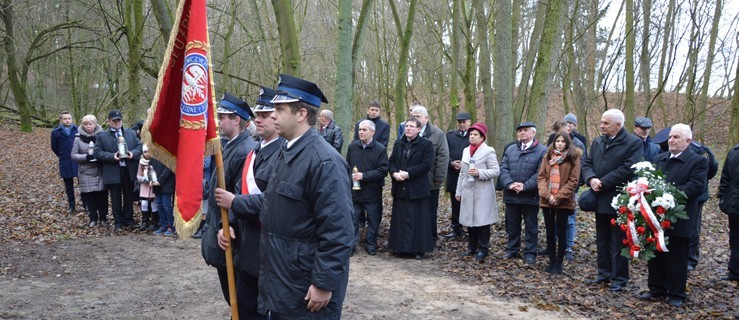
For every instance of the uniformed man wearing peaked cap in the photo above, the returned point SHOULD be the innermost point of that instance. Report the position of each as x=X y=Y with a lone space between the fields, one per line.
x=230 y=105
x=307 y=211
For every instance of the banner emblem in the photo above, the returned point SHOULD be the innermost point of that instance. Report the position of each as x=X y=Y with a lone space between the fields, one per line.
x=195 y=85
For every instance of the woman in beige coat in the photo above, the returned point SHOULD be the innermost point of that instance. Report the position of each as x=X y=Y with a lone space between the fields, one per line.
x=476 y=191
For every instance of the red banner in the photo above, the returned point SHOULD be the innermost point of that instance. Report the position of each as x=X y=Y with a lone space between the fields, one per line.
x=180 y=128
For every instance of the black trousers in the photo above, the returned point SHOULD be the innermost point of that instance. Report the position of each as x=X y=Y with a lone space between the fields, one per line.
x=247 y=292
x=479 y=239
x=374 y=217
x=695 y=238
x=456 y=227
x=668 y=271
x=734 y=246
x=609 y=241
x=69 y=190
x=514 y=214
x=555 y=222
x=434 y=209
x=97 y=205
x=122 y=206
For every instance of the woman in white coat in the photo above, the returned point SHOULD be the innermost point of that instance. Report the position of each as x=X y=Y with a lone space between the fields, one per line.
x=476 y=191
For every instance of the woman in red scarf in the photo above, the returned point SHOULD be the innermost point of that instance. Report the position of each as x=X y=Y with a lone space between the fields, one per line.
x=558 y=179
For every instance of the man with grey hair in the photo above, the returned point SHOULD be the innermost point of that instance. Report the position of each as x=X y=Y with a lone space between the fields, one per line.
x=441 y=160
x=329 y=130
x=369 y=157
x=607 y=167
x=668 y=271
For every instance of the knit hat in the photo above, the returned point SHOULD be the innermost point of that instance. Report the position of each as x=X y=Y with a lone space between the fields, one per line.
x=571 y=118
x=480 y=127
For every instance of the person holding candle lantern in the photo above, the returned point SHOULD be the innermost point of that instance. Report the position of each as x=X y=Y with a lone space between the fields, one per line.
x=90 y=173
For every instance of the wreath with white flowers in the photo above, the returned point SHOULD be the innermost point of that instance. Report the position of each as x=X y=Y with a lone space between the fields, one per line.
x=647 y=206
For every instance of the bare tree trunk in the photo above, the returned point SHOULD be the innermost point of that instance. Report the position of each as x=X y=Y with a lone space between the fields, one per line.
x=484 y=59
x=344 y=77
x=515 y=20
x=470 y=71
x=17 y=86
x=135 y=37
x=521 y=98
x=734 y=133
x=629 y=56
x=703 y=100
x=289 y=46
x=503 y=80
x=405 y=42
x=644 y=61
x=454 y=74
x=663 y=58
x=692 y=69
x=545 y=60
x=226 y=85
x=164 y=19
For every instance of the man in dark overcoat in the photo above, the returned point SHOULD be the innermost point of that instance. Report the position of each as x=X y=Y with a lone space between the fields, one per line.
x=437 y=173
x=370 y=159
x=382 y=128
x=519 y=171
x=457 y=141
x=607 y=167
x=728 y=194
x=234 y=115
x=62 y=140
x=306 y=218
x=668 y=271
x=119 y=173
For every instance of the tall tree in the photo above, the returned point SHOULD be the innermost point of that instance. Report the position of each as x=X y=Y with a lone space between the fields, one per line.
x=344 y=65
x=644 y=57
x=629 y=56
x=16 y=84
x=291 y=60
x=666 y=39
x=503 y=80
x=484 y=58
x=703 y=99
x=545 y=61
x=454 y=74
x=134 y=28
x=404 y=35
x=734 y=133
x=521 y=98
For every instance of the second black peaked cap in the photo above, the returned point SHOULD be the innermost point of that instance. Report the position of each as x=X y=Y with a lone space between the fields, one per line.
x=292 y=89
x=264 y=101
x=230 y=104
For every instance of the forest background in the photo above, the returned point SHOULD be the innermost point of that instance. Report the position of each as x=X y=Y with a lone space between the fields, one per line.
x=503 y=61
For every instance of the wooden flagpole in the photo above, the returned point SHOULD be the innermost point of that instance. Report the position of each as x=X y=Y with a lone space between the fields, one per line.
x=227 y=234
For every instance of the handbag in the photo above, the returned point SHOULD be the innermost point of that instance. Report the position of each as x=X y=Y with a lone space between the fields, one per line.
x=588 y=201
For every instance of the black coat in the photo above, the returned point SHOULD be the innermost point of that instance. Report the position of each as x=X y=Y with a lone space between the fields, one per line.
x=332 y=134
x=234 y=154
x=165 y=177
x=244 y=213
x=416 y=157
x=522 y=166
x=307 y=230
x=457 y=141
x=611 y=161
x=688 y=172
x=382 y=131
x=728 y=188
x=106 y=146
x=373 y=163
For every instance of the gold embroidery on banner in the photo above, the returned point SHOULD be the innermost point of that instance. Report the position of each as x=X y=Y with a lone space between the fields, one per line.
x=196 y=44
x=192 y=125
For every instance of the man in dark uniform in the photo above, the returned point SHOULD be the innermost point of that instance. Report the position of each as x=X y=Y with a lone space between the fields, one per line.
x=608 y=167
x=703 y=150
x=119 y=173
x=382 y=128
x=457 y=141
x=728 y=194
x=246 y=202
x=370 y=159
x=668 y=272
x=233 y=117
x=307 y=232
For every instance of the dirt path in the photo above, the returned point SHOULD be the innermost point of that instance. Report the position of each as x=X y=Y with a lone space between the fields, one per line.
x=138 y=276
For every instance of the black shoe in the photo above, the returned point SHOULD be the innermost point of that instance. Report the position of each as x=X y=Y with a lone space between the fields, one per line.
x=510 y=255
x=144 y=226
x=691 y=268
x=371 y=251
x=675 y=302
x=70 y=209
x=420 y=256
x=469 y=252
x=549 y=268
x=649 y=296
x=117 y=229
x=598 y=280
x=530 y=260
x=615 y=287
x=730 y=278
x=198 y=234
x=480 y=256
x=557 y=268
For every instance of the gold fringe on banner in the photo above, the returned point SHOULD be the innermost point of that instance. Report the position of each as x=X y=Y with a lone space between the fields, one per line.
x=185 y=230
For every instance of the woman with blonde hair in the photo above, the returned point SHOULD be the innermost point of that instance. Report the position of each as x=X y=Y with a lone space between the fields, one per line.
x=90 y=175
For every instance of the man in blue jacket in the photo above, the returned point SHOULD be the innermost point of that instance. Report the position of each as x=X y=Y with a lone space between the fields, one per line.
x=62 y=139
x=642 y=125
x=518 y=175
x=608 y=167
